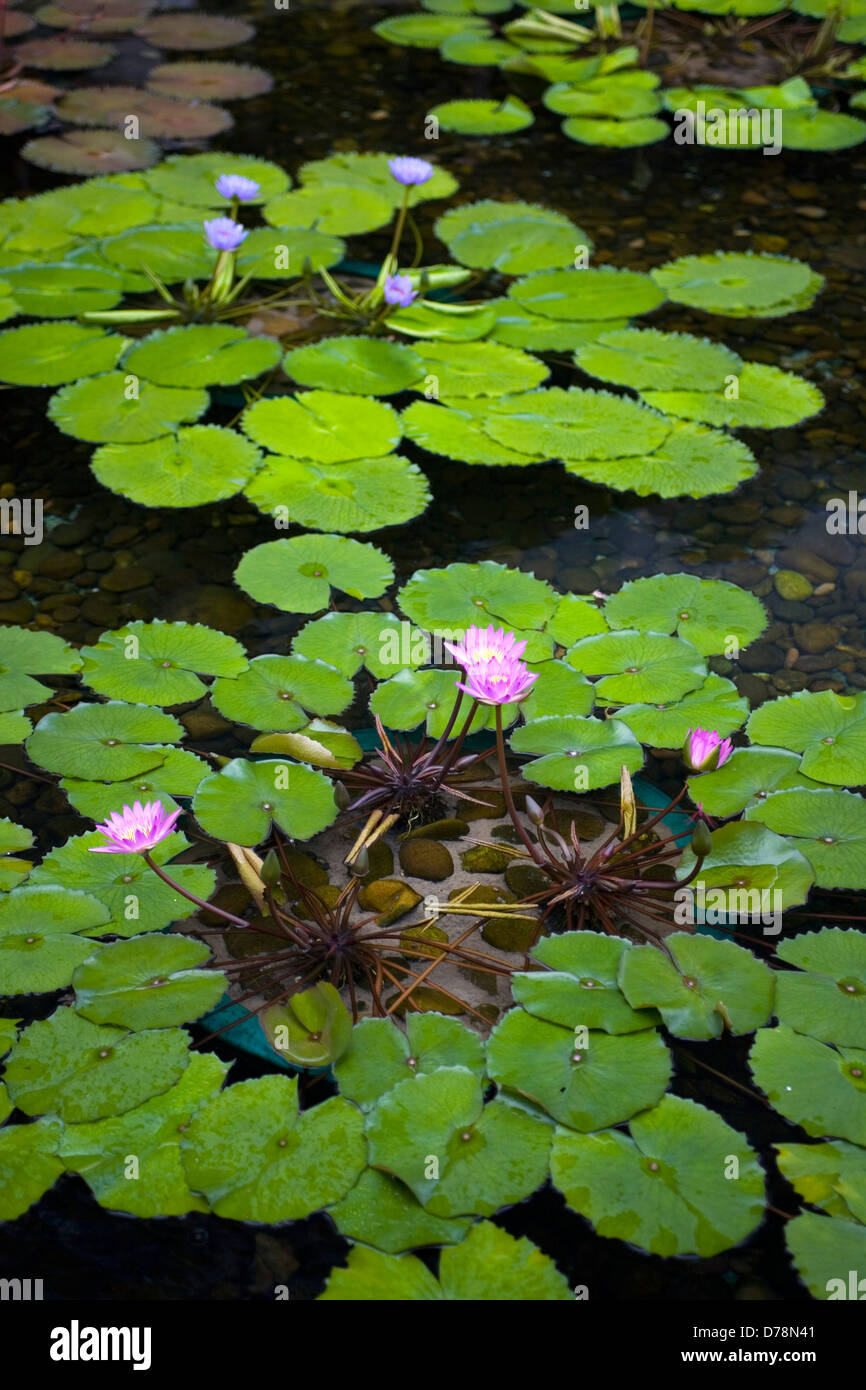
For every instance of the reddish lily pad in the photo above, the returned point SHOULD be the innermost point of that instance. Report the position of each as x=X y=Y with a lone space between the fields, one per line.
x=16 y=116
x=18 y=24
x=101 y=19
x=196 y=31
x=90 y=152
x=64 y=54
x=159 y=116
x=30 y=89
x=226 y=81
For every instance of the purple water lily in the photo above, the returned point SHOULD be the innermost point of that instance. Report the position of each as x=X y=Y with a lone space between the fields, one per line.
x=237 y=186
x=398 y=290
x=224 y=234
x=705 y=750
x=408 y=169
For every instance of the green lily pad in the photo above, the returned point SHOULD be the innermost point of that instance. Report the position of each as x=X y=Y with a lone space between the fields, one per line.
x=297 y=574
x=27 y=654
x=579 y=988
x=311 y=1029
x=513 y=238
x=739 y=284
x=753 y=865
x=825 y=996
x=519 y=327
x=13 y=837
x=693 y=461
x=380 y=1212
x=380 y=1055
x=155 y=662
x=747 y=777
x=573 y=753
x=8 y=1034
x=621 y=95
x=364 y=495
x=458 y=433
x=413 y=697
x=475 y=50
x=574 y=424
x=38 y=946
x=99 y=410
x=332 y=208
x=484 y=1156
x=319 y=743
x=285 y=253
x=190 y=178
x=828 y=729
x=323 y=426
x=29 y=1165
x=240 y=802
x=462 y=594
x=355 y=364
x=137 y=899
x=256 y=1159
x=428 y=30
x=48 y=354
x=814 y=129
x=73 y=1068
x=14 y=727
x=177 y=775
x=100 y=1151
x=274 y=692
x=830 y=1176
x=706 y=612
x=641 y=130
x=663 y=1187
x=449 y=322
x=376 y=641
x=198 y=464
x=57 y=291
x=714 y=705
x=372 y=171
x=603 y=293
x=708 y=986
x=575 y=617
x=478 y=369
x=766 y=398
x=820 y=1088
x=824 y=1250
x=638 y=666
x=482 y=116
x=107 y=741
x=827 y=825
x=559 y=689
x=173 y=252
x=204 y=354
x=147 y=982
x=646 y=358
x=588 y=1084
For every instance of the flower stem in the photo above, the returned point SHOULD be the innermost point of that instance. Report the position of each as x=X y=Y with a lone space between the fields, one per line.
x=506 y=792
x=199 y=902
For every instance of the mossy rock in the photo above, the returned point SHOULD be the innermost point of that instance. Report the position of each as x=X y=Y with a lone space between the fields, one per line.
x=427 y=859
x=506 y=832
x=390 y=898
x=327 y=893
x=244 y=943
x=493 y=808
x=525 y=879
x=483 y=859
x=791 y=585
x=381 y=860
x=479 y=978
x=482 y=893
x=588 y=825
x=306 y=869
x=417 y=938
x=427 y=999
x=447 y=829
x=510 y=933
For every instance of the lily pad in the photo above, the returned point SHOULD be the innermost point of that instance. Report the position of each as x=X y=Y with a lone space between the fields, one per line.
x=38 y=945
x=810 y=128
x=829 y=730
x=80 y=1071
x=380 y=1055
x=310 y=1029
x=159 y=117
x=753 y=866
x=830 y=1176
x=458 y=433
x=355 y=364
x=576 y=753
x=64 y=54
x=13 y=837
x=48 y=354
x=382 y=1213
x=603 y=293
x=428 y=30
x=708 y=986
x=638 y=666
x=513 y=238
x=575 y=617
x=663 y=1187
x=173 y=252
x=147 y=982
x=274 y=692
x=29 y=1165
x=478 y=369
x=178 y=775
x=240 y=802
x=693 y=461
x=285 y=253
x=739 y=284
x=414 y=697
x=820 y=1088
x=364 y=495
x=519 y=327
x=579 y=988
x=90 y=152
x=206 y=81
x=574 y=424
x=824 y=1250
x=14 y=727
x=212 y=354
x=198 y=464
x=255 y=1158
x=706 y=612
x=197 y=31
x=324 y=426
x=642 y=130
x=341 y=210
x=373 y=171
x=482 y=116
x=714 y=705
x=747 y=777
x=190 y=178
x=646 y=358
x=445 y=321
x=297 y=574
x=461 y=595
x=826 y=825
x=766 y=398
x=100 y=1151
x=825 y=996
x=101 y=410
x=54 y=291
x=319 y=743
x=26 y=654
x=377 y=641
x=558 y=690
x=154 y=663
x=107 y=741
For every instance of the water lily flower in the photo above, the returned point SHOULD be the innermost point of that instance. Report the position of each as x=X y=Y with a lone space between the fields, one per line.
x=398 y=290
x=704 y=750
x=407 y=169
x=498 y=682
x=136 y=829
x=485 y=644
x=224 y=234
x=236 y=186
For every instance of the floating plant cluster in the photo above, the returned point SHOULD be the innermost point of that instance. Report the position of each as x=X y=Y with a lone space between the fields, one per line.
x=611 y=97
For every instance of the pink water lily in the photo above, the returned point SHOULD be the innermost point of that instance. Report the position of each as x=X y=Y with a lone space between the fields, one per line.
x=485 y=644
x=705 y=750
x=136 y=829
x=494 y=673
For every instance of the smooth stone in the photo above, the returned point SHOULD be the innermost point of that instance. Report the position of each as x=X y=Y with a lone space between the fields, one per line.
x=493 y=808
x=791 y=585
x=390 y=898
x=448 y=829
x=510 y=933
x=122 y=581
x=816 y=637
x=482 y=859
x=428 y=859
x=525 y=879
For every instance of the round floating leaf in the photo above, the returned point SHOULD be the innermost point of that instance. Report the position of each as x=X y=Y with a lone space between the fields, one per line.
x=558 y=690
x=740 y=284
x=693 y=461
x=324 y=426
x=428 y=30
x=16 y=116
x=575 y=617
x=638 y=666
x=475 y=50
x=828 y=826
x=465 y=594
x=622 y=96
x=364 y=495
x=100 y=19
x=446 y=322
x=605 y=293
x=152 y=1131
x=198 y=31
x=64 y=54
x=178 y=775
x=767 y=398
x=158 y=116
x=830 y=1176
x=574 y=424
x=579 y=988
x=205 y=81
x=13 y=837
x=483 y=117
x=81 y=1071
x=514 y=244
x=53 y=291
x=824 y=1250
x=489 y=1155
x=26 y=654
x=274 y=692
x=706 y=612
x=191 y=178
x=212 y=354
x=377 y=641
x=355 y=364
x=809 y=128
x=458 y=434
x=663 y=1188
x=106 y=741
x=372 y=171
x=646 y=358
x=154 y=662
x=707 y=986
x=198 y=464
x=38 y=948
x=320 y=743
x=284 y=253
x=600 y=1082
x=312 y=1029
x=714 y=705
x=380 y=1055
x=297 y=574
x=825 y=997
x=147 y=982
x=381 y=1212
x=820 y=1088
x=173 y=253
x=240 y=802
x=412 y=697
x=99 y=410
x=28 y=1165
x=643 y=130
x=137 y=899
x=47 y=354
x=828 y=729
x=256 y=1159
x=14 y=726
x=90 y=152
x=754 y=870
x=478 y=369
x=576 y=753
x=371 y=1276
x=746 y=777
x=333 y=208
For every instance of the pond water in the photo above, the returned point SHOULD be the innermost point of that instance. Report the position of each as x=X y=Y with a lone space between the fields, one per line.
x=107 y=561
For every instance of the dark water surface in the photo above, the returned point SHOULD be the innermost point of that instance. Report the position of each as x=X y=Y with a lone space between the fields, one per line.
x=107 y=561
